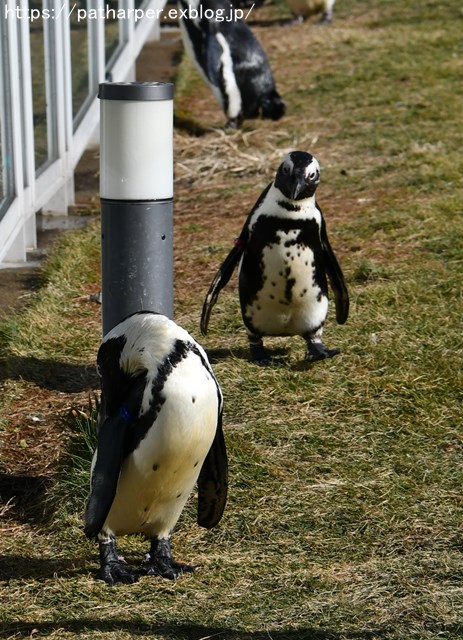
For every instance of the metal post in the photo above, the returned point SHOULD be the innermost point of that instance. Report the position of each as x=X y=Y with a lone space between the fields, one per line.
x=136 y=191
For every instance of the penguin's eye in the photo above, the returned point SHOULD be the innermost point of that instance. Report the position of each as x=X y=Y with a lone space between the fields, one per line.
x=286 y=170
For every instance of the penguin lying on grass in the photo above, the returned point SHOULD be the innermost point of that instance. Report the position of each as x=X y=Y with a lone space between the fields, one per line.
x=306 y=8
x=230 y=59
x=159 y=432
x=284 y=257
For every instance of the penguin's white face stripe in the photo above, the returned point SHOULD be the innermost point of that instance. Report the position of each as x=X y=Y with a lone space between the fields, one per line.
x=312 y=170
x=288 y=164
x=231 y=88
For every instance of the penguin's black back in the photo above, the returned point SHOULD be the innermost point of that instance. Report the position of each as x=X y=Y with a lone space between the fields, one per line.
x=252 y=70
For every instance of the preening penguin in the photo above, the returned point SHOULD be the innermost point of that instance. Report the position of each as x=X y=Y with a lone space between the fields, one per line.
x=285 y=258
x=306 y=8
x=159 y=432
x=230 y=59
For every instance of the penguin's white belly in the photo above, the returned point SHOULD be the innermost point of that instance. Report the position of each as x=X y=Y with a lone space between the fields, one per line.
x=289 y=303
x=158 y=477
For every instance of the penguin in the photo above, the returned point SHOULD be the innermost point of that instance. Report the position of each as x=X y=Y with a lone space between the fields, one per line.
x=284 y=258
x=303 y=9
x=230 y=59
x=159 y=432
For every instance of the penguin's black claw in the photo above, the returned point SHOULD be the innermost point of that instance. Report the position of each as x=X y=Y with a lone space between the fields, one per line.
x=114 y=572
x=262 y=362
x=165 y=567
x=262 y=357
x=159 y=561
x=318 y=351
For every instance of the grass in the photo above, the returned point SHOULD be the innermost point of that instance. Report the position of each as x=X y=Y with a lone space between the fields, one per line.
x=345 y=513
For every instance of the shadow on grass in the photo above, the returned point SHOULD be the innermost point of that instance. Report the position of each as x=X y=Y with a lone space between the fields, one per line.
x=242 y=353
x=49 y=374
x=15 y=567
x=24 y=495
x=178 y=631
x=218 y=354
x=189 y=126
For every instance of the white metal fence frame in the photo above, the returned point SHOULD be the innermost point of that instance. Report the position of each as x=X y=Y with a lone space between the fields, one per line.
x=25 y=188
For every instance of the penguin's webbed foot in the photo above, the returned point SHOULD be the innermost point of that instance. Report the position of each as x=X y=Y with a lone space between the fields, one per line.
x=262 y=357
x=118 y=571
x=159 y=561
x=165 y=567
x=268 y=361
x=318 y=351
x=113 y=568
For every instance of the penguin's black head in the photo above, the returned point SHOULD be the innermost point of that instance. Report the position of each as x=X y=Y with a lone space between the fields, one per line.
x=298 y=175
x=273 y=107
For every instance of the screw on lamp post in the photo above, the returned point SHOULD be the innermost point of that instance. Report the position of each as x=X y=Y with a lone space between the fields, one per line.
x=136 y=194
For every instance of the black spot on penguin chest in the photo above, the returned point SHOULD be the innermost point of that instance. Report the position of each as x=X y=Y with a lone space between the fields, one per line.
x=291 y=234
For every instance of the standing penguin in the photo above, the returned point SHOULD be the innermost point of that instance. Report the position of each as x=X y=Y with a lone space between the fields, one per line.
x=306 y=8
x=159 y=432
x=284 y=256
x=230 y=59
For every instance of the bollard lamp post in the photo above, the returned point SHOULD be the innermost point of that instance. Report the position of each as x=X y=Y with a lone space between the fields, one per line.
x=136 y=193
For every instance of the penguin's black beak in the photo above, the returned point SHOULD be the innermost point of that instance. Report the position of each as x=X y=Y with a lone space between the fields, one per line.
x=298 y=188
x=305 y=186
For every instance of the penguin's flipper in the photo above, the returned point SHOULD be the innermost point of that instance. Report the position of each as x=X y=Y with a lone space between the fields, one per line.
x=213 y=482
x=105 y=474
x=110 y=451
x=336 y=278
x=221 y=278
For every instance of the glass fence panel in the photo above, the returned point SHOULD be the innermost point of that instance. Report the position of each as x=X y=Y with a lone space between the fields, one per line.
x=42 y=44
x=6 y=160
x=112 y=31
x=80 y=54
x=39 y=92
